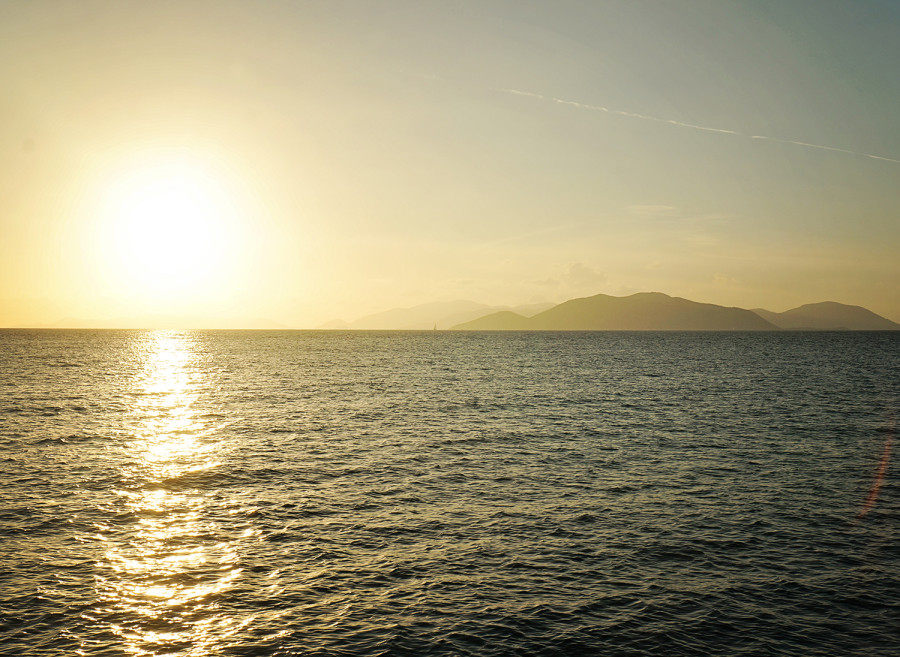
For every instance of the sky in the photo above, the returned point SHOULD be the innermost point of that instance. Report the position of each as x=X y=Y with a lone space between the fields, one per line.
x=240 y=164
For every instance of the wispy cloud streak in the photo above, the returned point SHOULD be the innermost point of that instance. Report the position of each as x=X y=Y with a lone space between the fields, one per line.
x=517 y=92
x=693 y=126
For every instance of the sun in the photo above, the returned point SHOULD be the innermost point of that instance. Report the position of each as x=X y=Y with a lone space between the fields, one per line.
x=171 y=230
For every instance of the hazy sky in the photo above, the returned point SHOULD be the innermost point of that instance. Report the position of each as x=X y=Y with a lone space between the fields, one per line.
x=348 y=157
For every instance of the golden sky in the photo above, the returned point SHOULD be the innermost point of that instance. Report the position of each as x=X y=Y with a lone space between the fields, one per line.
x=241 y=164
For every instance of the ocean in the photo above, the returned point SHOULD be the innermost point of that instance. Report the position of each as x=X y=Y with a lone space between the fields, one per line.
x=444 y=493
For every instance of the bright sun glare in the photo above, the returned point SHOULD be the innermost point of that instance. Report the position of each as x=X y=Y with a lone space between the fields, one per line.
x=171 y=230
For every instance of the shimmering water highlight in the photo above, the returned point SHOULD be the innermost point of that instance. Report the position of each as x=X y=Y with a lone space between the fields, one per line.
x=316 y=493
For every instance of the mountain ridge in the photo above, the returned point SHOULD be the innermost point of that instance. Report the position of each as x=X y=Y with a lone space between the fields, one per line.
x=655 y=311
x=828 y=315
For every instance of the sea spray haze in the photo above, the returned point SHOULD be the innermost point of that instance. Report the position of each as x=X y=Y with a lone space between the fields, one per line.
x=337 y=493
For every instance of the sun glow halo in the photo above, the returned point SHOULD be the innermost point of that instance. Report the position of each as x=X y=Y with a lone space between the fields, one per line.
x=171 y=230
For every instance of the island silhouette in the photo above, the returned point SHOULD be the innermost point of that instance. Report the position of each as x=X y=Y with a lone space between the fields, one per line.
x=655 y=311
x=829 y=315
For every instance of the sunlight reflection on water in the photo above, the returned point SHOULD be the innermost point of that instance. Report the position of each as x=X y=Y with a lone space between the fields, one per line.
x=168 y=559
x=321 y=493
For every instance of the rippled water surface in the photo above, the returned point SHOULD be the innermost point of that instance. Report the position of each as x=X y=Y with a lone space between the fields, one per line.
x=317 y=493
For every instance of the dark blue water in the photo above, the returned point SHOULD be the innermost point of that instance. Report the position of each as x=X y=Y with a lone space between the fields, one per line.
x=315 y=493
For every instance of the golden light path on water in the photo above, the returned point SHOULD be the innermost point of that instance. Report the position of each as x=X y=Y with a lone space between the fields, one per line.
x=173 y=554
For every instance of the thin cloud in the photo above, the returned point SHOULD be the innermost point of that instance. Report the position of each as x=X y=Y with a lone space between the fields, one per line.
x=701 y=127
x=517 y=92
x=598 y=108
x=827 y=148
x=577 y=276
x=694 y=126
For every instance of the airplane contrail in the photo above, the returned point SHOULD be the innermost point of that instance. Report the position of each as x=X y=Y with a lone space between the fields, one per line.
x=681 y=124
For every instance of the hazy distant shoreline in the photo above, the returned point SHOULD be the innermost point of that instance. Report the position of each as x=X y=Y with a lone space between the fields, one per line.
x=644 y=311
